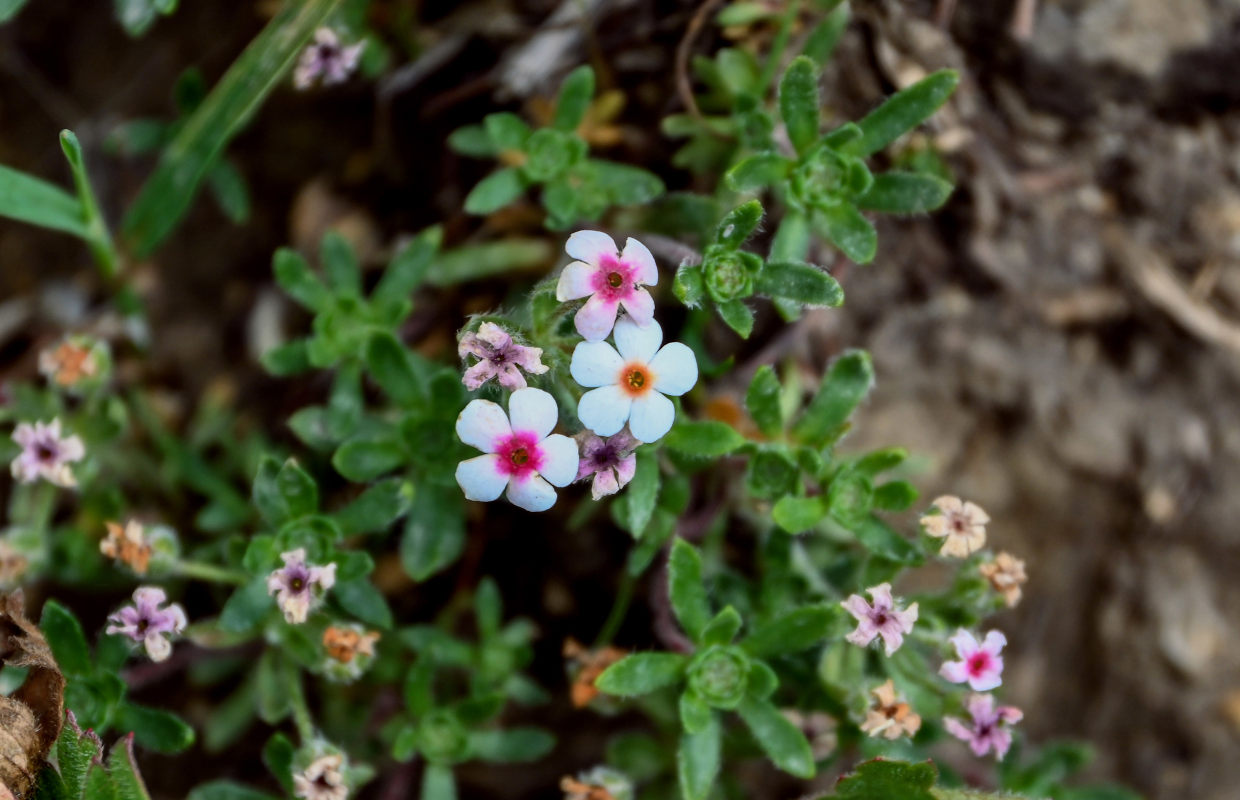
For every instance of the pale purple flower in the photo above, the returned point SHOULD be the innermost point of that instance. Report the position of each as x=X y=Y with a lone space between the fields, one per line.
x=46 y=454
x=989 y=729
x=980 y=665
x=520 y=453
x=610 y=279
x=146 y=623
x=498 y=357
x=610 y=460
x=326 y=60
x=882 y=618
x=297 y=585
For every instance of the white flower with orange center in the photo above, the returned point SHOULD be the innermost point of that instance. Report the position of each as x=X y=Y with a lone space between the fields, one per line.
x=520 y=452
x=630 y=382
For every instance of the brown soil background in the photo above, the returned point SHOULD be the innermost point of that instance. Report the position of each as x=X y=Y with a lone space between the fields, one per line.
x=1061 y=344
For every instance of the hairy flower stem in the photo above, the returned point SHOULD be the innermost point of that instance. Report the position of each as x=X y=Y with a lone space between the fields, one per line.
x=619 y=609
x=211 y=573
x=301 y=710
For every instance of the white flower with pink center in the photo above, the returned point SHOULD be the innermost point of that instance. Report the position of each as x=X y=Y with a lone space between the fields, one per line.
x=880 y=618
x=990 y=726
x=46 y=454
x=629 y=382
x=980 y=665
x=610 y=278
x=520 y=452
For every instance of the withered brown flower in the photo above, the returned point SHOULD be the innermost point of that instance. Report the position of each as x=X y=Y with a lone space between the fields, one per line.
x=585 y=666
x=31 y=717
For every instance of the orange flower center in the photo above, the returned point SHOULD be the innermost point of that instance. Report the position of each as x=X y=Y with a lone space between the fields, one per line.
x=636 y=380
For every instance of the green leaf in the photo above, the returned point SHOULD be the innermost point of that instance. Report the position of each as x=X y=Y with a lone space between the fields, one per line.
x=723 y=628
x=507 y=130
x=287 y=359
x=708 y=438
x=76 y=751
x=137 y=16
x=516 y=745
x=236 y=98
x=823 y=39
x=739 y=224
x=845 y=385
x=246 y=607
x=299 y=281
x=367 y=457
x=476 y=261
x=377 y=508
x=230 y=191
x=28 y=199
x=792 y=238
x=65 y=636
x=793 y=632
x=360 y=598
x=762 y=680
x=698 y=760
x=898 y=192
x=642 y=673
x=695 y=714
x=438 y=783
x=642 y=493
x=763 y=401
x=392 y=366
x=266 y=493
x=576 y=92
x=340 y=265
x=10 y=8
x=799 y=514
x=688 y=285
x=757 y=172
x=686 y=589
x=278 y=756
x=272 y=687
x=782 y=741
x=882 y=780
x=849 y=231
x=495 y=191
x=738 y=316
x=434 y=535
x=895 y=496
x=154 y=729
x=472 y=140
x=902 y=112
x=227 y=790
x=626 y=185
x=801 y=282
x=798 y=102
x=297 y=489
x=408 y=269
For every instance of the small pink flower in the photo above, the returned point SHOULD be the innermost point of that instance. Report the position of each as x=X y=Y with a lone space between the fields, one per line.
x=498 y=357
x=147 y=624
x=610 y=279
x=880 y=619
x=961 y=525
x=46 y=454
x=326 y=60
x=980 y=665
x=610 y=460
x=298 y=585
x=990 y=726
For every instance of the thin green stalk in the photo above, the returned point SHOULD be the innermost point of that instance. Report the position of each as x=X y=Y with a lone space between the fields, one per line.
x=211 y=573
x=619 y=609
x=301 y=710
x=780 y=44
x=100 y=241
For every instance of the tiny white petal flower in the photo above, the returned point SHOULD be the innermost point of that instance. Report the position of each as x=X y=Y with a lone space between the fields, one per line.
x=629 y=382
x=520 y=452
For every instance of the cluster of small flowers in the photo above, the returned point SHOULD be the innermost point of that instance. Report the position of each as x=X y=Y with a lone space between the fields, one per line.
x=627 y=403
x=963 y=527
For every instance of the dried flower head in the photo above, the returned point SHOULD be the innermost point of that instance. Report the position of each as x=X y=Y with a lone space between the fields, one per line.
x=147 y=624
x=585 y=666
x=350 y=650
x=882 y=618
x=326 y=60
x=599 y=783
x=1006 y=573
x=71 y=362
x=980 y=665
x=13 y=565
x=127 y=545
x=498 y=357
x=610 y=460
x=298 y=586
x=890 y=717
x=961 y=526
x=989 y=728
x=323 y=779
x=46 y=454
x=30 y=717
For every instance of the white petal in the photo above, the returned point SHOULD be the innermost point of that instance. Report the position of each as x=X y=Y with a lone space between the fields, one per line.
x=590 y=246
x=577 y=280
x=480 y=478
x=481 y=423
x=636 y=342
x=675 y=369
x=560 y=459
x=533 y=410
x=604 y=410
x=532 y=494
x=639 y=255
x=652 y=417
x=595 y=364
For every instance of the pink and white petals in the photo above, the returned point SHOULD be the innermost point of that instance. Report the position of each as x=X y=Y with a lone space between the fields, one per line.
x=46 y=454
x=880 y=618
x=611 y=279
x=520 y=452
x=980 y=665
x=989 y=728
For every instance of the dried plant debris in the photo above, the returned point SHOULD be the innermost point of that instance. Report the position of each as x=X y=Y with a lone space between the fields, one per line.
x=30 y=718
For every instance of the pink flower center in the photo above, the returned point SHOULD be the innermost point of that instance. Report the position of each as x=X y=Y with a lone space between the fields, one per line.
x=613 y=281
x=519 y=455
x=979 y=663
